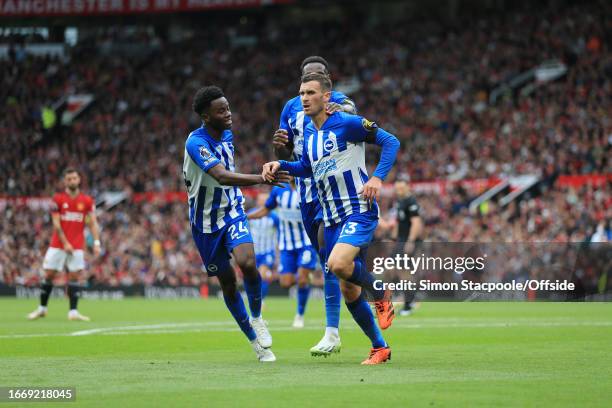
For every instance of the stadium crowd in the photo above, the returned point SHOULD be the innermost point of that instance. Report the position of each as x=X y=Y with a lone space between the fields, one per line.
x=427 y=82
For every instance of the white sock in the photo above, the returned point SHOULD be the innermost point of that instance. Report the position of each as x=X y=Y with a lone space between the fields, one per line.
x=256 y=318
x=73 y=311
x=42 y=308
x=332 y=331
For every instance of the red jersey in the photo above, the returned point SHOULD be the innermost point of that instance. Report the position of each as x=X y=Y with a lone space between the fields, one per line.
x=72 y=212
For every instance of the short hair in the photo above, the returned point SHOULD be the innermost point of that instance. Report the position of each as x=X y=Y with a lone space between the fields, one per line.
x=315 y=58
x=324 y=80
x=69 y=170
x=204 y=96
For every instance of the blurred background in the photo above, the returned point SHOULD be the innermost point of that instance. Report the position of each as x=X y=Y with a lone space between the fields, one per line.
x=503 y=109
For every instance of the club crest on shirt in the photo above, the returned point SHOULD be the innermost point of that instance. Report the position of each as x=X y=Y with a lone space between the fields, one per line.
x=368 y=125
x=330 y=144
x=205 y=153
x=65 y=205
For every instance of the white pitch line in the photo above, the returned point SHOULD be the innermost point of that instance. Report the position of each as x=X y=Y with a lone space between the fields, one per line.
x=280 y=325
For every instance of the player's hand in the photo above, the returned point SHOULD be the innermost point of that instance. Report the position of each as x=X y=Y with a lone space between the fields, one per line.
x=280 y=178
x=96 y=250
x=68 y=248
x=269 y=170
x=280 y=139
x=333 y=107
x=371 y=189
x=409 y=247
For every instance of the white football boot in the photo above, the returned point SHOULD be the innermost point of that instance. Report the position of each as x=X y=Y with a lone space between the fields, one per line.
x=263 y=334
x=265 y=355
x=329 y=344
x=75 y=315
x=38 y=313
x=298 y=322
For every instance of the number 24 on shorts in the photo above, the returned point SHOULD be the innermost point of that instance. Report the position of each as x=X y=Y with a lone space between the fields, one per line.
x=242 y=229
x=349 y=228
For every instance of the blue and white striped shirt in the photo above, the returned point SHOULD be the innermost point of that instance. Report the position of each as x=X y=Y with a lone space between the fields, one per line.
x=335 y=156
x=292 y=234
x=265 y=233
x=294 y=122
x=211 y=205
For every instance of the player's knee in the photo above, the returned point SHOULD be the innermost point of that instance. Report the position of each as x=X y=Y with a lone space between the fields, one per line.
x=339 y=266
x=286 y=281
x=228 y=286
x=246 y=262
x=303 y=281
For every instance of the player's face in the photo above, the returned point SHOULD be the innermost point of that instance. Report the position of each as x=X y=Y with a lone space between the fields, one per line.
x=401 y=189
x=313 y=98
x=219 y=115
x=313 y=67
x=72 y=181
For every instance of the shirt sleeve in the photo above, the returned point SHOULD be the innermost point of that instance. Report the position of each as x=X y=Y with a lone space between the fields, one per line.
x=414 y=209
x=55 y=204
x=390 y=145
x=359 y=128
x=202 y=154
x=284 y=121
x=301 y=168
x=275 y=220
x=271 y=201
x=342 y=99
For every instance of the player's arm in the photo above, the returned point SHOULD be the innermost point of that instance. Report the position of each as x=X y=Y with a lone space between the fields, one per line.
x=342 y=104
x=258 y=213
x=301 y=168
x=386 y=224
x=208 y=162
x=229 y=178
x=57 y=226
x=283 y=137
x=363 y=130
x=92 y=223
x=416 y=228
x=270 y=204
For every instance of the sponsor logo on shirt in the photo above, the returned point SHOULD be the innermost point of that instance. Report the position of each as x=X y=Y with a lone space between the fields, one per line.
x=72 y=216
x=323 y=167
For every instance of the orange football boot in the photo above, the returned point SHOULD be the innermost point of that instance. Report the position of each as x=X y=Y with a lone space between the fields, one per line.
x=378 y=356
x=385 y=312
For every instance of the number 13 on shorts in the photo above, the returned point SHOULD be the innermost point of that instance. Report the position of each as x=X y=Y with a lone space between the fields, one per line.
x=348 y=229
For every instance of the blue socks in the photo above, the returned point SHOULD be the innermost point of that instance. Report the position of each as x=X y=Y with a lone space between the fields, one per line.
x=302 y=299
x=331 y=287
x=235 y=304
x=265 y=285
x=366 y=280
x=253 y=290
x=362 y=313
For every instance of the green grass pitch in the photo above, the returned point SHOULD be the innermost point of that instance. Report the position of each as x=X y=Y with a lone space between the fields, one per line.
x=172 y=353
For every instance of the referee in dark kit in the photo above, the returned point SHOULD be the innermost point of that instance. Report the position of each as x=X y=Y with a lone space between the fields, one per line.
x=408 y=233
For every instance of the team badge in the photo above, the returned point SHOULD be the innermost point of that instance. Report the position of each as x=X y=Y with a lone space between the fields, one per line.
x=205 y=153
x=368 y=125
x=330 y=144
x=65 y=205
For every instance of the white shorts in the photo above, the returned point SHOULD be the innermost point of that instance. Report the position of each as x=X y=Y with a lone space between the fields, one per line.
x=56 y=259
